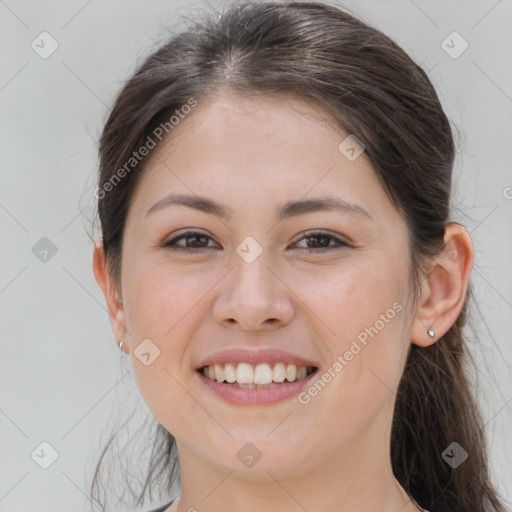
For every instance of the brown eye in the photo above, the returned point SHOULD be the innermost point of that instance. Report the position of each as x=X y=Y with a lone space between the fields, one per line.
x=197 y=242
x=317 y=241
x=321 y=241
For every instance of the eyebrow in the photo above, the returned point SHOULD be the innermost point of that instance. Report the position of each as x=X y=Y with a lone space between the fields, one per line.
x=285 y=211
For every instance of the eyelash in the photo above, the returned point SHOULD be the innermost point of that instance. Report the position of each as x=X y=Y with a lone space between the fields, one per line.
x=312 y=234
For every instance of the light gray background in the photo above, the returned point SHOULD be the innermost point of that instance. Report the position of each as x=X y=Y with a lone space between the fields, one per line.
x=61 y=374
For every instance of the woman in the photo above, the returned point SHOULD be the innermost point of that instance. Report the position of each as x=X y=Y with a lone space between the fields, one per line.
x=278 y=261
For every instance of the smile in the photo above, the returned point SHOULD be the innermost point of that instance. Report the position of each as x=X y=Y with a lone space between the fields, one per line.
x=259 y=375
x=247 y=384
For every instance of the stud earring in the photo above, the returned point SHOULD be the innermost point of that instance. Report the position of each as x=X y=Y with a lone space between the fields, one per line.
x=121 y=343
x=431 y=333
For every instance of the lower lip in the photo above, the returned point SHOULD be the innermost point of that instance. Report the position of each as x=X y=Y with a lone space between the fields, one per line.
x=256 y=396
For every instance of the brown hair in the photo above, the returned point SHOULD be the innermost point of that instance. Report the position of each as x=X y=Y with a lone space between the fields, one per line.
x=379 y=94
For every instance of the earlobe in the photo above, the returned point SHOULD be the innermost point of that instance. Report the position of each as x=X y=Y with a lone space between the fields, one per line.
x=444 y=288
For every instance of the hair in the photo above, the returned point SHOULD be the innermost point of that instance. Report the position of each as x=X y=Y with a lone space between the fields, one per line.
x=378 y=93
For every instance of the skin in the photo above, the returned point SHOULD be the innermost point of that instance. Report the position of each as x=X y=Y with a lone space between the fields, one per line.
x=331 y=454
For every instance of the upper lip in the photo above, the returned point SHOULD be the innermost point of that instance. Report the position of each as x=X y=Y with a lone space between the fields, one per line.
x=262 y=355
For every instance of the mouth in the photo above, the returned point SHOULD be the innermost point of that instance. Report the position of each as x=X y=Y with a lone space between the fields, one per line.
x=252 y=384
x=263 y=375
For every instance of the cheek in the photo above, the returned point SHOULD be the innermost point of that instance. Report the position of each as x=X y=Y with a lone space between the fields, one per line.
x=369 y=324
x=168 y=304
x=348 y=300
x=162 y=307
x=363 y=323
x=161 y=297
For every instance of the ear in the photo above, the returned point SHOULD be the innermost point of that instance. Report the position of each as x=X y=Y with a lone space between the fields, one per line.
x=444 y=288
x=114 y=304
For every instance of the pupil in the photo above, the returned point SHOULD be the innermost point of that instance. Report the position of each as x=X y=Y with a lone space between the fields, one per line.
x=317 y=237
x=195 y=238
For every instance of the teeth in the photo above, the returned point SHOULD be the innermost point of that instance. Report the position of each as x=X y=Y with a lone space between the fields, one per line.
x=219 y=372
x=279 y=372
x=263 y=374
x=301 y=372
x=291 y=372
x=245 y=375
x=229 y=373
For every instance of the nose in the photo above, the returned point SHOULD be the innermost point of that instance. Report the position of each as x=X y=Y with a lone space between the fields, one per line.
x=253 y=298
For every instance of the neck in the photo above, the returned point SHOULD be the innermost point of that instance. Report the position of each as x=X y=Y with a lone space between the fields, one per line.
x=358 y=477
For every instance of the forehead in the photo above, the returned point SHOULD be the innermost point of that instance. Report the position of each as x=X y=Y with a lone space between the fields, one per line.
x=280 y=147
x=236 y=115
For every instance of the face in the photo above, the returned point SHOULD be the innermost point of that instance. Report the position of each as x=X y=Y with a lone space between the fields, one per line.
x=269 y=283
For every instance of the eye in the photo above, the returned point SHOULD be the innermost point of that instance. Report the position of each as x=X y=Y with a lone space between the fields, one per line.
x=324 y=239
x=198 y=240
